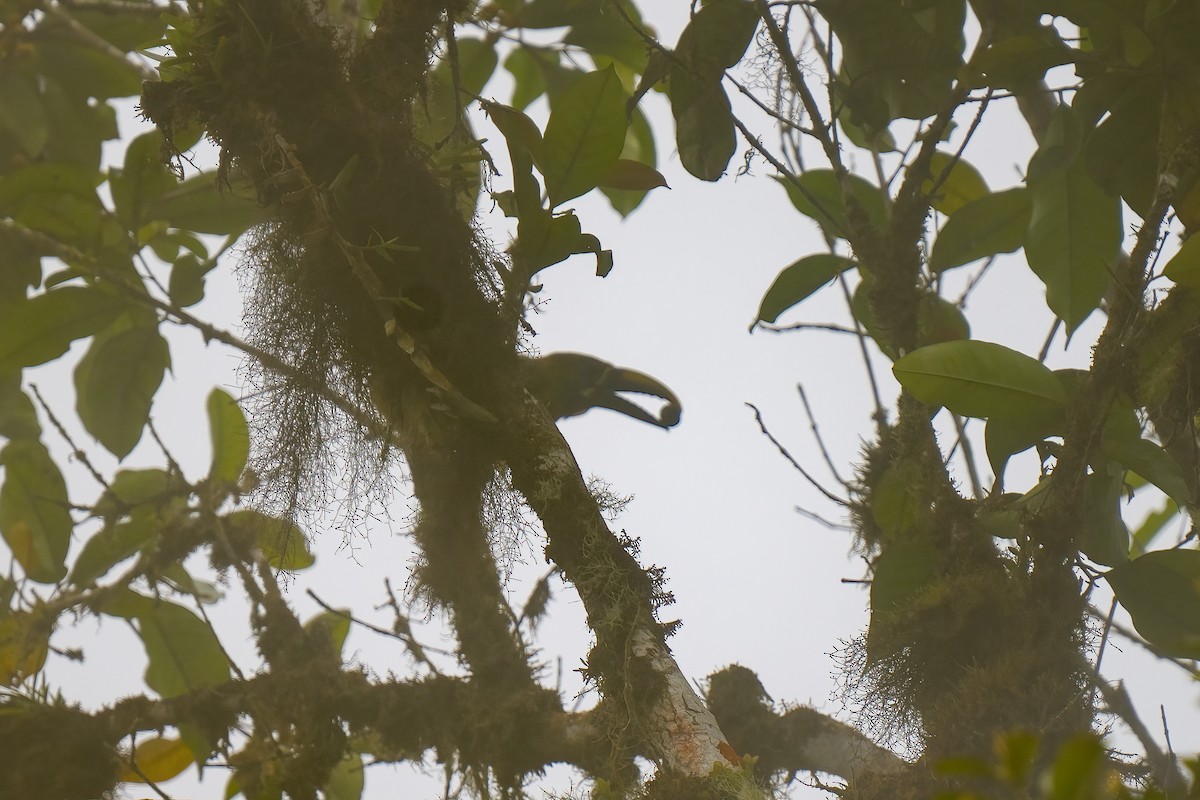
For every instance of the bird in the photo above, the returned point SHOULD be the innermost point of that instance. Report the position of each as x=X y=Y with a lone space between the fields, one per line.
x=570 y=384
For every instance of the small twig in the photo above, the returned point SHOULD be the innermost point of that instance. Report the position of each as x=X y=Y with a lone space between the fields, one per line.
x=415 y=648
x=974 y=281
x=210 y=332
x=406 y=639
x=172 y=464
x=76 y=451
x=1162 y=713
x=121 y=7
x=827 y=523
x=204 y=615
x=968 y=457
x=819 y=126
x=975 y=121
x=783 y=451
x=763 y=107
x=1108 y=623
x=829 y=327
x=1045 y=351
x=138 y=771
x=812 y=424
x=1162 y=766
x=1134 y=637
x=876 y=395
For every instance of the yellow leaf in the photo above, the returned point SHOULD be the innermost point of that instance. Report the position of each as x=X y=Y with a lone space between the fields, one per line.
x=22 y=648
x=158 y=760
x=957 y=182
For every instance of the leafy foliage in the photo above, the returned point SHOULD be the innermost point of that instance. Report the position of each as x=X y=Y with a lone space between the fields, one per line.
x=350 y=171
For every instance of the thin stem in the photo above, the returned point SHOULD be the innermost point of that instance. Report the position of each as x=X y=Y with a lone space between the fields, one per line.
x=812 y=424
x=762 y=425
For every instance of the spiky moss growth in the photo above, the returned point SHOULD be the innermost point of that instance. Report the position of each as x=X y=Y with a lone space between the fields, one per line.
x=964 y=642
x=507 y=735
x=292 y=112
x=48 y=738
x=631 y=684
x=722 y=783
x=361 y=232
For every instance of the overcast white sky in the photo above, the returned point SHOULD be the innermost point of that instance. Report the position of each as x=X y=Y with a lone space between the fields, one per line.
x=756 y=583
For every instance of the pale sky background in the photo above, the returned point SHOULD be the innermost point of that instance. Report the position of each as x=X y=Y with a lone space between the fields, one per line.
x=755 y=582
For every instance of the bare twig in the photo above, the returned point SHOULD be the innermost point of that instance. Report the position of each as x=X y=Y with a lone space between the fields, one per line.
x=1163 y=767
x=762 y=425
x=828 y=327
x=76 y=451
x=968 y=457
x=812 y=424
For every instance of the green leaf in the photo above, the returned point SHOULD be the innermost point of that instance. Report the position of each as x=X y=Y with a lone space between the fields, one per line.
x=714 y=40
x=41 y=328
x=584 y=135
x=991 y=224
x=957 y=183
x=1005 y=436
x=705 y=135
x=22 y=114
x=717 y=36
x=284 y=545
x=183 y=651
x=186 y=287
x=1161 y=591
x=1122 y=442
x=85 y=72
x=939 y=320
x=817 y=193
x=895 y=507
x=180 y=580
x=347 y=779
x=198 y=205
x=135 y=488
x=860 y=307
x=336 y=625
x=1122 y=153
x=230 y=437
x=799 y=280
x=77 y=128
x=632 y=175
x=639 y=147
x=529 y=80
x=137 y=187
x=1080 y=770
x=18 y=419
x=113 y=545
x=904 y=570
x=440 y=113
x=979 y=379
x=1075 y=233
x=115 y=383
x=477 y=61
x=898 y=60
x=544 y=239
x=55 y=198
x=606 y=34
x=1184 y=266
x=1019 y=62
x=34 y=516
x=158 y=760
x=901 y=571
x=1153 y=525
x=1104 y=537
